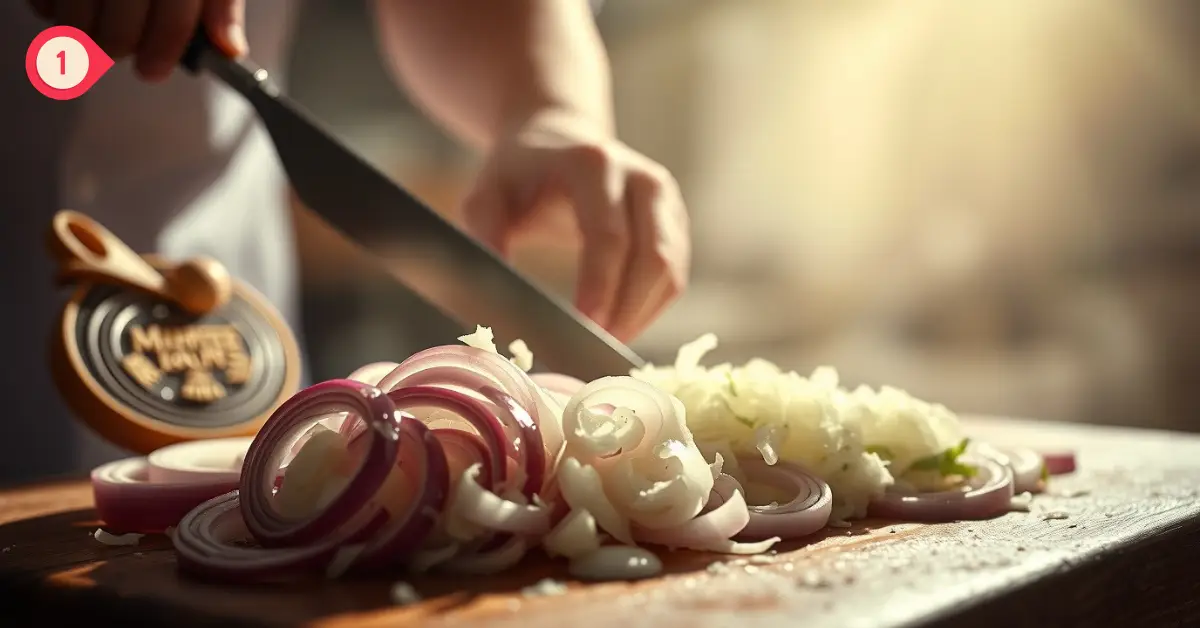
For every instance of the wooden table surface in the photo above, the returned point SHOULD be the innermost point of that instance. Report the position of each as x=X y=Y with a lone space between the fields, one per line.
x=1113 y=544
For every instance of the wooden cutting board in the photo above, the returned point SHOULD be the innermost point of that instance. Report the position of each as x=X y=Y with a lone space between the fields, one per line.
x=1115 y=544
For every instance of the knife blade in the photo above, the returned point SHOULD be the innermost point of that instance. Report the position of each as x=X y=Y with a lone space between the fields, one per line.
x=424 y=251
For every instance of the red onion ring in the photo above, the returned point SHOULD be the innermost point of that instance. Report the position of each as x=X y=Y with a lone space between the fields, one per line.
x=358 y=504
x=464 y=449
x=470 y=370
x=372 y=373
x=807 y=513
x=728 y=516
x=212 y=541
x=986 y=495
x=1027 y=466
x=413 y=512
x=127 y=500
x=564 y=385
x=471 y=410
x=1059 y=462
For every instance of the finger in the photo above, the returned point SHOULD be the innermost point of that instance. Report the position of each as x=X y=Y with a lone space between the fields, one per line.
x=119 y=27
x=486 y=213
x=44 y=8
x=81 y=14
x=224 y=21
x=596 y=189
x=169 y=28
x=657 y=267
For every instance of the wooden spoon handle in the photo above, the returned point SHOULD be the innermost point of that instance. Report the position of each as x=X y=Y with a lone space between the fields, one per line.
x=86 y=251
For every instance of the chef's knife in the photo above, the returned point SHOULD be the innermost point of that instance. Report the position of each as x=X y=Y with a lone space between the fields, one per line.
x=419 y=247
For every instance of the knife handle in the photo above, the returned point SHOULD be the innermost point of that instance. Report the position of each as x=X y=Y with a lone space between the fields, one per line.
x=243 y=75
x=196 y=49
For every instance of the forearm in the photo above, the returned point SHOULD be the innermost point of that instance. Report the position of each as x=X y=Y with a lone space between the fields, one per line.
x=481 y=67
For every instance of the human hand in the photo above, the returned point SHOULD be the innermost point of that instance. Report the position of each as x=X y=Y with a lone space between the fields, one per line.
x=628 y=209
x=155 y=32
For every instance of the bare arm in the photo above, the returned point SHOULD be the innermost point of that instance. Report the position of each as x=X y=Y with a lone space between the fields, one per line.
x=481 y=67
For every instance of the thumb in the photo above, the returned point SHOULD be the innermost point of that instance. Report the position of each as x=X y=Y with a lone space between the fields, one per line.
x=224 y=21
x=486 y=214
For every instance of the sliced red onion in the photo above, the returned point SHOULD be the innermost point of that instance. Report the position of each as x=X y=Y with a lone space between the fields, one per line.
x=358 y=505
x=564 y=385
x=1059 y=462
x=464 y=449
x=1027 y=467
x=709 y=530
x=215 y=460
x=212 y=541
x=128 y=501
x=988 y=494
x=807 y=513
x=415 y=494
x=595 y=435
x=484 y=508
x=527 y=448
x=475 y=412
x=372 y=373
x=470 y=370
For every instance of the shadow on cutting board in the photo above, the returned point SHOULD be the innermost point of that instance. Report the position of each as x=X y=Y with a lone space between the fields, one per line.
x=53 y=568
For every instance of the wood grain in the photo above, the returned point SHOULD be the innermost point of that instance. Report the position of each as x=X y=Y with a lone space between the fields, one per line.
x=1124 y=554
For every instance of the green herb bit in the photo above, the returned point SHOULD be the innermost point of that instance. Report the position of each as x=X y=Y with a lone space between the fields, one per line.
x=946 y=463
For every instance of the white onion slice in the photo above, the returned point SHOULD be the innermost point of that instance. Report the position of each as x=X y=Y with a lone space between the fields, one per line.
x=213 y=460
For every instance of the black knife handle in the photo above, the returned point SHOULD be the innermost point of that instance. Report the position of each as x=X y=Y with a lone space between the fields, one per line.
x=242 y=74
x=196 y=49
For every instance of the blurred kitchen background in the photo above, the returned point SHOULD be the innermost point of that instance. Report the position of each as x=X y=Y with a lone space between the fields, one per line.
x=991 y=204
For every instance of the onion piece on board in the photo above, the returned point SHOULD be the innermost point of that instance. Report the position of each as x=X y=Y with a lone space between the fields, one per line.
x=988 y=494
x=805 y=513
x=152 y=494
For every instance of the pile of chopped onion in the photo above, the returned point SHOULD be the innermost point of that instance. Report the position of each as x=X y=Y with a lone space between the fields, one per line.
x=884 y=452
x=459 y=460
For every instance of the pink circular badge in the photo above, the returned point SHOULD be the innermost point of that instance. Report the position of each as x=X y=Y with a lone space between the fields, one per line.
x=64 y=63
